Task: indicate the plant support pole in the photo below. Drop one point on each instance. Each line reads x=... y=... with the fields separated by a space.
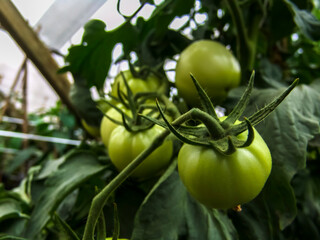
x=12 y=21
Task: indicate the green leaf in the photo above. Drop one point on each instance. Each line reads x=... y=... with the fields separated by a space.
x=21 y=158
x=291 y=126
x=10 y=208
x=77 y=168
x=92 y=30
x=280 y=198
x=50 y=167
x=92 y=58
x=271 y=73
x=255 y=221
x=9 y=237
x=169 y=212
x=12 y=228
x=307 y=23
x=81 y=99
x=307 y=189
x=287 y=132
x=65 y=231
x=167 y=11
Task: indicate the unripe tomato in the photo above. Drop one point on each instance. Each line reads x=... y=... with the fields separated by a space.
x=92 y=130
x=214 y=67
x=107 y=126
x=150 y=84
x=225 y=181
x=125 y=146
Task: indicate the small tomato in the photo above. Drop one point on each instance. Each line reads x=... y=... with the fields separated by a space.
x=125 y=146
x=150 y=84
x=107 y=126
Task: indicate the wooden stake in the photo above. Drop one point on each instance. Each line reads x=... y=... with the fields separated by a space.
x=35 y=50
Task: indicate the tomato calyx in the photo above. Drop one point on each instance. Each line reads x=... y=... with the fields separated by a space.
x=220 y=134
x=137 y=104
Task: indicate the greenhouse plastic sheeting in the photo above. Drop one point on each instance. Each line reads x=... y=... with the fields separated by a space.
x=64 y=18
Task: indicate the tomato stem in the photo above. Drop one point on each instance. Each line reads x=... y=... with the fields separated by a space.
x=213 y=125
x=247 y=34
x=243 y=42
x=101 y=198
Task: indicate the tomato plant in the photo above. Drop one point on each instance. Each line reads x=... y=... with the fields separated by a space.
x=68 y=188
x=225 y=181
x=213 y=65
x=125 y=146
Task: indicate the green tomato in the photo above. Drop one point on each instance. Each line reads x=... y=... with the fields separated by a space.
x=92 y=130
x=150 y=84
x=225 y=181
x=125 y=146
x=214 y=67
x=107 y=126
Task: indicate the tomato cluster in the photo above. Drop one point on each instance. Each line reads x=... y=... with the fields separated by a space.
x=124 y=145
x=215 y=178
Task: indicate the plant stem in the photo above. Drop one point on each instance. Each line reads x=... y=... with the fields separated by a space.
x=215 y=130
x=244 y=45
x=101 y=198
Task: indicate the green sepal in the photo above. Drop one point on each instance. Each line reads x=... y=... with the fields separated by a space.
x=196 y=131
x=205 y=101
x=222 y=136
x=141 y=97
x=122 y=98
x=241 y=105
x=130 y=97
x=261 y=114
x=213 y=124
x=224 y=146
x=155 y=121
x=119 y=111
x=180 y=136
x=250 y=137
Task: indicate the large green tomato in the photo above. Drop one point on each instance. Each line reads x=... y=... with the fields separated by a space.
x=214 y=67
x=150 y=84
x=125 y=146
x=107 y=126
x=225 y=181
